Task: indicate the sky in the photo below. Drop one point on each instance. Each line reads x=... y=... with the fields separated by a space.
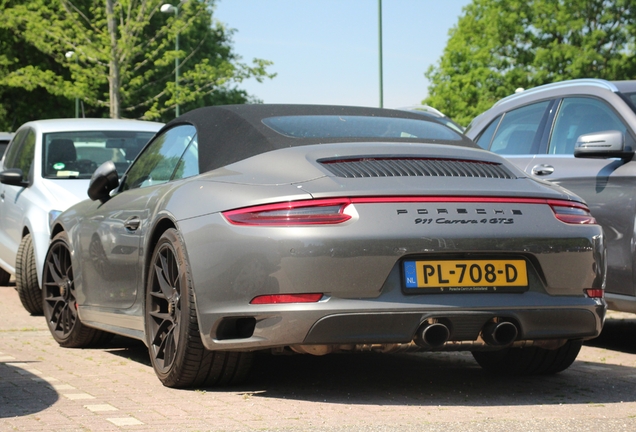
x=326 y=51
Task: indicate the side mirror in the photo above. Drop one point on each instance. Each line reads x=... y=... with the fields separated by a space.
x=103 y=181
x=14 y=177
x=605 y=144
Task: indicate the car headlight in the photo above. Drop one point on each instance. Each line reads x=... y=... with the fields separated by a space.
x=53 y=214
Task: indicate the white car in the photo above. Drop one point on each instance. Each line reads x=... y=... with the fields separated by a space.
x=45 y=170
x=430 y=112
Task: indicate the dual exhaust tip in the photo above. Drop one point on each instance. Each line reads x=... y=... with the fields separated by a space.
x=435 y=334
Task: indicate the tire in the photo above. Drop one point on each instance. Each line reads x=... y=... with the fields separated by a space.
x=4 y=277
x=177 y=354
x=530 y=360
x=59 y=302
x=26 y=277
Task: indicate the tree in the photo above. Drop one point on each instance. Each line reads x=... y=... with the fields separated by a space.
x=17 y=104
x=118 y=56
x=498 y=46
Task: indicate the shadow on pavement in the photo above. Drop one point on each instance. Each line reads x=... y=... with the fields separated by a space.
x=23 y=393
x=617 y=335
x=132 y=349
x=425 y=379
x=438 y=379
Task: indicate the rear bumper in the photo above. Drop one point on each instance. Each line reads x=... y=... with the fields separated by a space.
x=341 y=322
x=359 y=269
x=464 y=326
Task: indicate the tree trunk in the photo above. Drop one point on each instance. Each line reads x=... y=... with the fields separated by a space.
x=113 y=74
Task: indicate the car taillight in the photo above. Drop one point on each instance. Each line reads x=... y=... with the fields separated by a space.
x=334 y=210
x=595 y=293
x=287 y=298
x=571 y=213
x=308 y=212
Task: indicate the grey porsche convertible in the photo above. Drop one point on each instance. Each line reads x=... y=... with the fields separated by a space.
x=323 y=229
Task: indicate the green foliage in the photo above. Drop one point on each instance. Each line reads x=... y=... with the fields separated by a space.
x=498 y=46
x=36 y=35
x=17 y=104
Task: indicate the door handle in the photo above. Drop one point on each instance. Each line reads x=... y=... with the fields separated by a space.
x=2 y=195
x=132 y=223
x=542 y=170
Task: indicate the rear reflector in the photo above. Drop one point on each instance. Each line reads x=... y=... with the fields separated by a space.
x=595 y=293
x=287 y=298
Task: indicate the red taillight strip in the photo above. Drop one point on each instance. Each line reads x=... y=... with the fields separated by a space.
x=584 y=218
x=287 y=298
x=292 y=213
x=466 y=199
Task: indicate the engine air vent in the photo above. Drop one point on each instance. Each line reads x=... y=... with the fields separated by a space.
x=418 y=167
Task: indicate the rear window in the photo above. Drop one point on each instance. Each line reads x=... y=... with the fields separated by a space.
x=333 y=126
x=78 y=154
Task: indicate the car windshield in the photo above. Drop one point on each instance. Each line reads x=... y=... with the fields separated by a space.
x=77 y=154
x=632 y=98
x=334 y=126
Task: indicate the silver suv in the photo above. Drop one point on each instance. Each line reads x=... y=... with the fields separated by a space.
x=45 y=170
x=581 y=135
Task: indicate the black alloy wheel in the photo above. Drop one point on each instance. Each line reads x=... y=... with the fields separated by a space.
x=164 y=307
x=59 y=301
x=176 y=351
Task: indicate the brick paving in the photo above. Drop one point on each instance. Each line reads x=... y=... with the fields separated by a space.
x=47 y=388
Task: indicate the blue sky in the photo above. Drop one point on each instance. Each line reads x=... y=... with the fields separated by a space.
x=326 y=51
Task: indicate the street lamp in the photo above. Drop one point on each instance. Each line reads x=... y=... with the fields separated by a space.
x=69 y=55
x=168 y=8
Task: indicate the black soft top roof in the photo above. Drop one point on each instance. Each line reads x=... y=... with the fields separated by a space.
x=230 y=133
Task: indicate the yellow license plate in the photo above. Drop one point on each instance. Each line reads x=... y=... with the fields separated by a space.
x=466 y=275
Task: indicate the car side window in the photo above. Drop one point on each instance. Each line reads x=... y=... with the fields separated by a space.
x=578 y=116
x=21 y=155
x=519 y=131
x=486 y=136
x=158 y=162
x=189 y=163
x=12 y=151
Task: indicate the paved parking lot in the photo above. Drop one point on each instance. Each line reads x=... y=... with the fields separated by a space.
x=45 y=387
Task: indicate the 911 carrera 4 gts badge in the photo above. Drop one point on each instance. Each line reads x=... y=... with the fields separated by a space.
x=500 y=219
x=446 y=221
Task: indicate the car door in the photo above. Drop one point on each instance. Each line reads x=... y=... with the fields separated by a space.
x=20 y=155
x=519 y=133
x=607 y=185
x=112 y=233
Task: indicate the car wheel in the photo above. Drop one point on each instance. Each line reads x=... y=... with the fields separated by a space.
x=178 y=356
x=4 y=277
x=529 y=360
x=59 y=302
x=26 y=277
